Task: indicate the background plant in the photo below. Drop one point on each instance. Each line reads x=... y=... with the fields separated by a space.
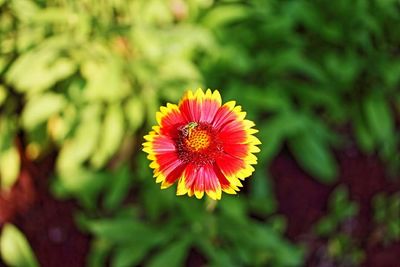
x=81 y=81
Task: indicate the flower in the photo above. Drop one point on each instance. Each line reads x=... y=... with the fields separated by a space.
x=203 y=145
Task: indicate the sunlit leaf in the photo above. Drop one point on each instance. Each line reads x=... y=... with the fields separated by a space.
x=9 y=166
x=225 y=14
x=84 y=141
x=41 y=108
x=42 y=67
x=15 y=249
x=135 y=111
x=3 y=94
x=111 y=136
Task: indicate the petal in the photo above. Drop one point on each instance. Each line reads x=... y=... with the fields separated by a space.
x=230 y=165
x=200 y=106
x=163 y=144
x=210 y=105
x=224 y=115
x=190 y=106
x=169 y=118
x=173 y=176
x=201 y=179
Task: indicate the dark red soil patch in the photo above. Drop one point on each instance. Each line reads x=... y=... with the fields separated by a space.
x=303 y=201
x=47 y=223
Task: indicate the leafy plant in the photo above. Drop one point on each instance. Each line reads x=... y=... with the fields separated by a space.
x=341 y=248
x=387 y=216
x=313 y=87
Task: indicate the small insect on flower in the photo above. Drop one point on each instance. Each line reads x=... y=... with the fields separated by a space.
x=203 y=145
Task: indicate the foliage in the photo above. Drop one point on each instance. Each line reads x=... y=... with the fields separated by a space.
x=341 y=249
x=315 y=75
x=84 y=79
x=85 y=75
x=158 y=223
x=14 y=248
x=387 y=216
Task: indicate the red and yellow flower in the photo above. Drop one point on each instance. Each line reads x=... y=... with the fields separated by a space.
x=203 y=145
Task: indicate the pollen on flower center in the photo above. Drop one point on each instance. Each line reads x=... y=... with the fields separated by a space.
x=197 y=144
x=197 y=140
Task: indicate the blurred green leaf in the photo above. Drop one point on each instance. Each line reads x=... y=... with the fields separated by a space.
x=40 y=108
x=379 y=118
x=326 y=226
x=98 y=253
x=15 y=249
x=105 y=80
x=364 y=137
x=111 y=136
x=9 y=167
x=119 y=230
x=314 y=156
x=41 y=67
x=24 y=9
x=3 y=94
x=84 y=142
x=135 y=112
x=9 y=156
x=225 y=14
x=130 y=255
x=118 y=188
x=174 y=254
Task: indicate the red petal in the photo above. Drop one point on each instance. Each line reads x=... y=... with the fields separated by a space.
x=190 y=110
x=223 y=116
x=175 y=174
x=167 y=162
x=163 y=144
x=221 y=177
x=237 y=150
x=208 y=110
x=170 y=122
x=201 y=178
x=230 y=165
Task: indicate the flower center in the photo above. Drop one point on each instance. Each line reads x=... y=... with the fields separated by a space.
x=198 y=144
x=197 y=139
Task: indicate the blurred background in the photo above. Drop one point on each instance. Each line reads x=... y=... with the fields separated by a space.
x=80 y=82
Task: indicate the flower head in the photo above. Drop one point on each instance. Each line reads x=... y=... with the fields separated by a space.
x=203 y=145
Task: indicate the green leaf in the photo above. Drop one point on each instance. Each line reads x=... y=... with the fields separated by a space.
x=130 y=255
x=98 y=253
x=365 y=139
x=326 y=226
x=379 y=118
x=105 y=80
x=40 y=108
x=314 y=156
x=81 y=146
x=9 y=156
x=174 y=254
x=15 y=249
x=42 y=67
x=111 y=136
x=122 y=230
x=3 y=94
x=134 y=110
x=9 y=167
x=225 y=14
x=118 y=188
